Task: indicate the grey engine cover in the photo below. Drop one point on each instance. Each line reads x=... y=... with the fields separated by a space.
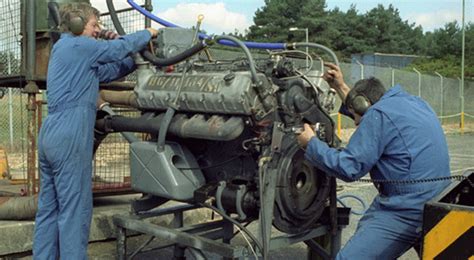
x=159 y=173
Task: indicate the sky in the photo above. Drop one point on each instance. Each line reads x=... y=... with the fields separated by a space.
x=230 y=15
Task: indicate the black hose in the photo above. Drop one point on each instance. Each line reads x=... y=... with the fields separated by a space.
x=144 y=124
x=175 y=59
x=114 y=17
x=146 y=53
x=53 y=8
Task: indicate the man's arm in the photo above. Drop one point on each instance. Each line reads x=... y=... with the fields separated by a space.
x=117 y=50
x=360 y=155
x=111 y=71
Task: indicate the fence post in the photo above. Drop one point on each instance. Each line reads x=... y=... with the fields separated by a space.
x=10 y=103
x=419 y=81
x=442 y=96
x=461 y=98
x=361 y=68
x=393 y=77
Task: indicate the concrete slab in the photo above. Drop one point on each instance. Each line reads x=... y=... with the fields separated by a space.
x=17 y=236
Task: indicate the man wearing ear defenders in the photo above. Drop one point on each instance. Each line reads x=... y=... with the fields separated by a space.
x=78 y=62
x=398 y=137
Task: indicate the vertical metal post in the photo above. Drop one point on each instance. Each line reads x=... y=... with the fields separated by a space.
x=149 y=8
x=393 y=77
x=10 y=102
x=121 y=243
x=10 y=115
x=361 y=68
x=178 y=222
x=31 y=89
x=339 y=124
x=462 y=65
x=461 y=100
x=419 y=81
x=442 y=96
x=228 y=232
x=307 y=41
x=30 y=20
x=334 y=231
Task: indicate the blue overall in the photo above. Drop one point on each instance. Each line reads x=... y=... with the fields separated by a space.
x=399 y=138
x=76 y=66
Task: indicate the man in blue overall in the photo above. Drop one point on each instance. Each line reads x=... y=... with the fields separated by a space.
x=77 y=64
x=398 y=138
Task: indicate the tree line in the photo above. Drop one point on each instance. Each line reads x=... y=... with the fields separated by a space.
x=380 y=29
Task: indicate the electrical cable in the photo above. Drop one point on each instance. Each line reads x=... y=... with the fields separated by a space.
x=248 y=242
x=401 y=182
x=141 y=247
x=237 y=224
x=357 y=198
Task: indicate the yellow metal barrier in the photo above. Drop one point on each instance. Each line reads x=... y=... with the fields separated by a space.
x=4 y=169
x=448 y=222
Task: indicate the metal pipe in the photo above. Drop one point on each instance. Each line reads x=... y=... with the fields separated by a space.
x=30 y=39
x=130 y=137
x=124 y=98
x=462 y=64
x=31 y=89
x=10 y=103
x=314 y=45
x=18 y=208
x=149 y=8
x=361 y=69
x=393 y=77
x=419 y=81
x=215 y=128
x=239 y=43
x=442 y=95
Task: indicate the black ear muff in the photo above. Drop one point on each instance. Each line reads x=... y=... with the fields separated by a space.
x=360 y=104
x=77 y=25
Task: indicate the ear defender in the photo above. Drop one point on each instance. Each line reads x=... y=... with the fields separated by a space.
x=360 y=103
x=77 y=25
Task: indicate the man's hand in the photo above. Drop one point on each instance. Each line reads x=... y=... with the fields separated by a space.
x=305 y=136
x=108 y=35
x=153 y=32
x=333 y=76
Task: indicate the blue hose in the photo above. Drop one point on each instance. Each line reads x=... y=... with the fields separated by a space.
x=359 y=199
x=252 y=45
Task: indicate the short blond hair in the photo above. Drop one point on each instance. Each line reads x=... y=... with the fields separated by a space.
x=70 y=11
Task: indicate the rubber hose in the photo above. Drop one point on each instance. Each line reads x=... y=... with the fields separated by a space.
x=146 y=53
x=357 y=198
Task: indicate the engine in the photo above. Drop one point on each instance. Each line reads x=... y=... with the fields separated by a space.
x=215 y=124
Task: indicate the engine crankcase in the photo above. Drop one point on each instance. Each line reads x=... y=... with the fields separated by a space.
x=231 y=93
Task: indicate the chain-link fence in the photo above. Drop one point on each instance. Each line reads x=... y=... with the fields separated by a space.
x=111 y=170
x=111 y=165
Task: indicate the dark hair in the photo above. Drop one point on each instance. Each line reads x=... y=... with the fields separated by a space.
x=372 y=88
